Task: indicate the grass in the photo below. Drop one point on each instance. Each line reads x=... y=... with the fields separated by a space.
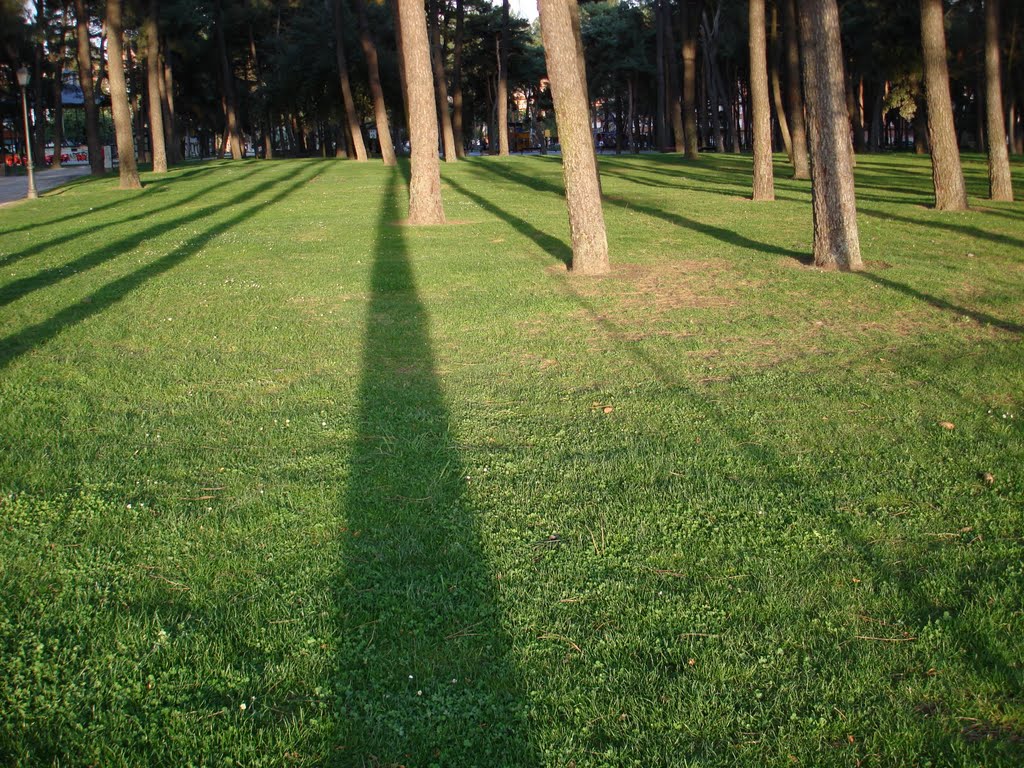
x=288 y=483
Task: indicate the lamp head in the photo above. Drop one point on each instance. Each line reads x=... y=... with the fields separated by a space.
x=23 y=76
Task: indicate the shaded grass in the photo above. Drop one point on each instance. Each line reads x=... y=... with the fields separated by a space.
x=264 y=447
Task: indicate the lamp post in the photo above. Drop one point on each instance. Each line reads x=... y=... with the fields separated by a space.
x=23 y=78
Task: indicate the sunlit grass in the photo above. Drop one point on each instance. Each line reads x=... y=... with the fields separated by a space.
x=288 y=483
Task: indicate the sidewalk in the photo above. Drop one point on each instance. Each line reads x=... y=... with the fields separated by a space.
x=14 y=188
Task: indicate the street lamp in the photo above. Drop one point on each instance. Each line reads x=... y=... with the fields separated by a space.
x=23 y=78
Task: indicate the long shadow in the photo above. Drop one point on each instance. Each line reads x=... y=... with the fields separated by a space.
x=425 y=669
x=723 y=235
x=938 y=303
x=68 y=237
x=17 y=344
x=960 y=229
x=549 y=243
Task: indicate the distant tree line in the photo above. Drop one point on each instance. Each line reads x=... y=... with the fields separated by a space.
x=356 y=78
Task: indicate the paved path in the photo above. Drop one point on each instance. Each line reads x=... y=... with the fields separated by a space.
x=16 y=187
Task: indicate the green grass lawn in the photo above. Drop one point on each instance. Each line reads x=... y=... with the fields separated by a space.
x=286 y=483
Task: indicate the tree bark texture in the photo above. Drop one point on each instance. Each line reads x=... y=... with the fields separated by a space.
x=690 y=79
x=502 y=97
x=128 y=170
x=380 y=111
x=441 y=84
x=425 y=206
x=675 y=105
x=794 y=96
x=153 y=77
x=1000 y=184
x=776 y=81
x=355 y=131
x=836 y=240
x=764 y=181
x=85 y=79
x=232 y=131
x=457 y=99
x=947 y=174
x=559 y=21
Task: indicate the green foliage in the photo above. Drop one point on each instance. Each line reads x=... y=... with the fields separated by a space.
x=287 y=483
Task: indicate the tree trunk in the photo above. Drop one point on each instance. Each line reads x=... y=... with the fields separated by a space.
x=690 y=79
x=166 y=87
x=836 y=241
x=764 y=181
x=856 y=117
x=153 y=78
x=1000 y=184
x=85 y=79
x=660 y=121
x=559 y=20
x=234 y=134
x=380 y=112
x=425 y=205
x=675 y=106
x=38 y=102
x=351 y=117
x=457 y=98
x=58 y=91
x=780 y=109
x=119 y=99
x=503 y=85
x=794 y=96
x=441 y=85
x=947 y=175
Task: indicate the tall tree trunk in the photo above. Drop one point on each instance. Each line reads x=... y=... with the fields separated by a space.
x=166 y=87
x=836 y=240
x=233 y=132
x=856 y=116
x=129 y=172
x=502 y=97
x=690 y=16
x=85 y=79
x=947 y=175
x=675 y=106
x=660 y=121
x=559 y=23
x=58 y=90
x=441 y=86
x=1000 y=184
x=457 y=98
x=351 y=117
x=794 y=96
x=764 y=181
x=153 y=78
x=780 y=109
x=425 y=205
x=380 y=112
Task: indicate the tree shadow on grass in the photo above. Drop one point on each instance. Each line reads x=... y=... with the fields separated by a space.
x=16 y=289
x=724 y=235
x=20 y=342
x=68 y=237
x=425 y=673
x=938 y=303
x=959 y=229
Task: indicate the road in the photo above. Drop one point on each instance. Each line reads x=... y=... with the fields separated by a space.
x=13 y=188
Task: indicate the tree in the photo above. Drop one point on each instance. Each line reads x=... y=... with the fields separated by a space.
x=502 y=97
x=690 y=14
x=380 y=112
x=947 y=175
x=1000 y=184
x=764 y=183
x=154 y=74
x=233 y=132
x=352 y=119
x=836 y=241
x=559 y=23
x=129 y=172
x=441 y=85
x=794 y=98
x=425 y=205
